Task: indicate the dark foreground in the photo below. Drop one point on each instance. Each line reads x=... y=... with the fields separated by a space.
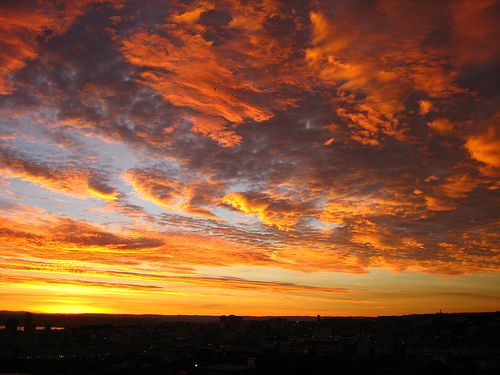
x=231 y=345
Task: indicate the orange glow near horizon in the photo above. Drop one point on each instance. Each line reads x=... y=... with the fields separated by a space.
x=249 y=157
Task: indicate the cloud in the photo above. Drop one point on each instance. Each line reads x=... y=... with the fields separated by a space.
x=65 y=235
x=459 y=187
x=485 y=148
x=353 y=53
x=23 y=31
x=247 y=137
x=211 y=282
x=367 y=124
x=57 y=282
x=436 y=204
x=193 y=15
x=65 y=178
x=441 y=125
x=359 y=245
x=207 y=84
x=225 y=65
x=278 y=212
x=195 y=197
x=425 y=107
x=475 y=32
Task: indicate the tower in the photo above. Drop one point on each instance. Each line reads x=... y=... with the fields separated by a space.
x=28 y=323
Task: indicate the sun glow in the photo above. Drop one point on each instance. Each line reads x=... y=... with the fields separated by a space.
x=69 y=307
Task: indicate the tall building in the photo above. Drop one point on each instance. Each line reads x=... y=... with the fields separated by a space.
x=28 y=323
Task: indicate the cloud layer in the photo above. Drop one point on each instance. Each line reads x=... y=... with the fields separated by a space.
x=210 y=143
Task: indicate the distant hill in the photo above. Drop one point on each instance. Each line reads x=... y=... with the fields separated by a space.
x=78 y=320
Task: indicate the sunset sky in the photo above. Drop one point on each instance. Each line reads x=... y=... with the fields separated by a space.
x=250 y=157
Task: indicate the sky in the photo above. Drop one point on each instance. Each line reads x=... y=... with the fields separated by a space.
x=250 y=157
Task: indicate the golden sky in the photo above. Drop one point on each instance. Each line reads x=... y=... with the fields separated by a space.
x=254 y=157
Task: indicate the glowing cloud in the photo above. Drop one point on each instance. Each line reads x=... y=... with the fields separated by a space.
x=485 y=148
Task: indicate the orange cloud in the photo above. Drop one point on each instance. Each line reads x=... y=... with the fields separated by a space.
x=485 y=148
x=211 y=282
x=441 y=125
x=225 y=82
x=458 y=187
x=193 y=197
x=23 y=25
x=217 y=129
x=425 y=107
x=343 y=211
x=77 y=182
x=351 y=52
x=280 y=213
x=437 y=204
x=37 y=242
x=58 y=282
x=193 y=15
x=368 y=124
x=192 y=75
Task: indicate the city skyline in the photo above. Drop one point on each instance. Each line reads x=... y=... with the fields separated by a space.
x=260 y=158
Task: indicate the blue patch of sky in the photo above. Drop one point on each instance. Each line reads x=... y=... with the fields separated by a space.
x=59 y=204
x=233 y=216
x=318 y=224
